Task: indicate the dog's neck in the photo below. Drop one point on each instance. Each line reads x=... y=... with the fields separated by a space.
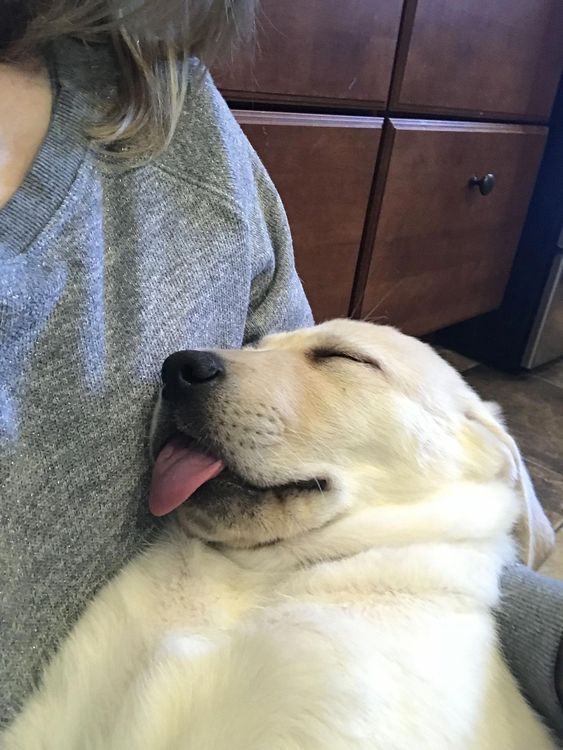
x=466 y=521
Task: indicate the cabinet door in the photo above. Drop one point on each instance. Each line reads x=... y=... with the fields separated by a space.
x=500 y=58
x=323 y=167
x=443 y=251
x=318 y=49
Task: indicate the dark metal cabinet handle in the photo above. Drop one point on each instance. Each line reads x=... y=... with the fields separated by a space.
x=485 y=184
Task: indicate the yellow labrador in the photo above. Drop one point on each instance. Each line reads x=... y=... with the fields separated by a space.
x=346 y=504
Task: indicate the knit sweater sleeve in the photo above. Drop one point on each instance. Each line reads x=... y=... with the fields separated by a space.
x=277 y=300
x=530 y=622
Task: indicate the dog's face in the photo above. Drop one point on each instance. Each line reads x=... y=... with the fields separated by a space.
x=319 y=423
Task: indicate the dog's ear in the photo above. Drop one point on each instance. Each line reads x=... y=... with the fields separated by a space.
x=533 y=530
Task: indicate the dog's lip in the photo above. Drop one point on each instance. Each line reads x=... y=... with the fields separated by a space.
x=319 y=484
x=158 y=443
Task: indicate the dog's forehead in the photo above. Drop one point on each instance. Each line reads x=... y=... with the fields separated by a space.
x=343 y=331
x=405 y=357
x=300 y=340
x=349 y=334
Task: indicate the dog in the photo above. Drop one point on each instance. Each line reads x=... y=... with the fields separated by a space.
x=344 y=506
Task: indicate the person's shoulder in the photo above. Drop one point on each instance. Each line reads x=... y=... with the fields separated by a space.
x=209 y=146
x=208 y=152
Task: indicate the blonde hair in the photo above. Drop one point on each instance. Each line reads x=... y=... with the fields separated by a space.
x=154 y=42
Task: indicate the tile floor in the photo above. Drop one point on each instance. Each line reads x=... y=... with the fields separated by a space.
x=533 y=408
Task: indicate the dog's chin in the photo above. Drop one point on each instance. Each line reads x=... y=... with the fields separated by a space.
x=228 y=511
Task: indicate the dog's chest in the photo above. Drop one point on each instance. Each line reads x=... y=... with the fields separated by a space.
x=308 y=654
x=192 y=651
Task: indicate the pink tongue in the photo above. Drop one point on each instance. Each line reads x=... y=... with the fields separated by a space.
x=177 y=474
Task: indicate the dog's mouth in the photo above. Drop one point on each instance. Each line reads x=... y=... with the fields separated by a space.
x=182 y=466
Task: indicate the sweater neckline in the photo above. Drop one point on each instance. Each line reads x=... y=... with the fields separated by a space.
x=55 y=166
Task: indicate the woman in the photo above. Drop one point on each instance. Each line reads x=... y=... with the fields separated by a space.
x=135 y=221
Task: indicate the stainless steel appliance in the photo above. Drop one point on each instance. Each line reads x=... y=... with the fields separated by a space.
x=546 y=337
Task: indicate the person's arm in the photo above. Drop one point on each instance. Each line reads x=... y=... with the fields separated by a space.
x=277 y=301
x=530 y=621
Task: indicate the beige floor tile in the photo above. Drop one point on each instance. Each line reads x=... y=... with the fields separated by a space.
x=461 y=363
x=552 y=372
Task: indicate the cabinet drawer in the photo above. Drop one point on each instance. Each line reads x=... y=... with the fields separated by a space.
x=443 y=251
x=318 y=49
x=501 y=59
x=323 y=167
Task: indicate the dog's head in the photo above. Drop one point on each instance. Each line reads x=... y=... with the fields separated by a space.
x=306 y=427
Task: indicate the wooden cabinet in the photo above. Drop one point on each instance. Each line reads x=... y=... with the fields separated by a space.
x=397 y=234
x=442 y=251
x=323 y=168
x=499 y=58
x=318 y=49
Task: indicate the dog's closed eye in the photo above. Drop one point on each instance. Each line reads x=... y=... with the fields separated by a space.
x=324 y=353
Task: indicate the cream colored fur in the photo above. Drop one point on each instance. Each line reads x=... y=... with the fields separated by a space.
x=357 y=617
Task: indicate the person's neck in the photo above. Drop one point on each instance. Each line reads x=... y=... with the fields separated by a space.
x=25 y=113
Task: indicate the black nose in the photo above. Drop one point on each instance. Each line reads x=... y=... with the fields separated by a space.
x=183 y=370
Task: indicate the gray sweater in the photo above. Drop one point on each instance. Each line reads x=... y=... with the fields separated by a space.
x=102 y=275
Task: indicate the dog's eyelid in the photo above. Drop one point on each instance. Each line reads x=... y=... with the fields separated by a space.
x=332 y=353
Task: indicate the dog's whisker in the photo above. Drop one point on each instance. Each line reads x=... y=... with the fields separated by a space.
x=381 y=300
